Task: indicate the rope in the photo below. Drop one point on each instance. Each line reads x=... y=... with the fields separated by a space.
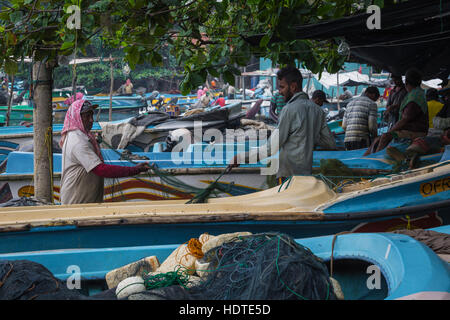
x=170 y=180
x=279 y=274
x=201 y=196
x=194 y=247
x=177 y=277
x=289 y=182
x=408 y=226
x=7 y=274
x=332 y=249
x=49 y=143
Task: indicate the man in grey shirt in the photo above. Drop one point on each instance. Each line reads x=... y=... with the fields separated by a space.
x=302 y=126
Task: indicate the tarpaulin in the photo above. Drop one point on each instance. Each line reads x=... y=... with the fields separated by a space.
x=414 y=33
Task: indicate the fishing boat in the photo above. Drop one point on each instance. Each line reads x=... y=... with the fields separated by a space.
x=18 y=114
x=367 y=266
x=123 y=107
x=304 y=206
x=191 y=175
x=197 y=167
x=14 y=137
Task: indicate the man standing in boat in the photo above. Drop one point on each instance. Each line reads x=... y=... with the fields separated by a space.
x=360 y=120
x=83 y=169
x=302 y=126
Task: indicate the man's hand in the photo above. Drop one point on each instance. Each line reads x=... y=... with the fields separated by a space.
x=143 y=166
x=234 y=162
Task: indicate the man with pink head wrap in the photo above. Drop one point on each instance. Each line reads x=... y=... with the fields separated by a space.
x=83 y=169
x=78 y=96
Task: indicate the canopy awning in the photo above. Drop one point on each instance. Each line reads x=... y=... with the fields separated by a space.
x=414 y=33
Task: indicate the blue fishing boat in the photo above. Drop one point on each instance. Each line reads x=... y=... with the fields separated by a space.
x=13 y=137
x=198 y=166
x=367 y=266
x=123 y=107
x=302 y=207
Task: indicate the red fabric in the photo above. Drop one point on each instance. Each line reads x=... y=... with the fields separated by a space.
x=415 y=120
x=221 y=102
x=113 y=171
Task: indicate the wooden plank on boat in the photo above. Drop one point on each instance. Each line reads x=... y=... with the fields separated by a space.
x=175 y=171
x=294 y=203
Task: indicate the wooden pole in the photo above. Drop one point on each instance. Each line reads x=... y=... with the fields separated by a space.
x=337 y=95
x=74 y=79
x=309 y=82
x=243 y=86
x=111 y=86
x=8 y=112
x=42 y=129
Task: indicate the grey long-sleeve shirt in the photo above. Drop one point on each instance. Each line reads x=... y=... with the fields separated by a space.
x=302 y=126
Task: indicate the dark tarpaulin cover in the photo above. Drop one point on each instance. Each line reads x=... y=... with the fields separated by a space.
x=414 y=33
x=380 y=84
x=155 y=117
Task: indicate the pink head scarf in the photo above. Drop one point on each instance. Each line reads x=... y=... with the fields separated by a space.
x=78 y=96
x=128 y=82
x=73 y=121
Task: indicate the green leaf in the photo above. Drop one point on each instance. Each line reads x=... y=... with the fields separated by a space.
x=185 y=85
x=11 y=67
x=379 y=3
x=66 y=45
x=133 y=56
x=16 y=16
x=212 y=71
x=229 y=77
x=264 y=41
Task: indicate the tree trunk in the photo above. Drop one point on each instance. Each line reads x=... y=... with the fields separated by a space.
x=43 y=133
x=111 y=88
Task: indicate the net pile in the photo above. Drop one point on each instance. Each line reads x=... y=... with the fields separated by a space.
x=258 y=267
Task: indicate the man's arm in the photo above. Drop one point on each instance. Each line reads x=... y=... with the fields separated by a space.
x=411 y=111
x=326 y=139
x=273 y=145
x=344 y=121
x=372 y=121
x=114 y=171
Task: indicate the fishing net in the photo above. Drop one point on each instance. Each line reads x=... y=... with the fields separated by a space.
x=28 y=280
x=24 y=201
x=199 y=195
x=257 y=267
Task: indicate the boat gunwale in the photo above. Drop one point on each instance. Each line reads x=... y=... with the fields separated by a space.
x=201 y=217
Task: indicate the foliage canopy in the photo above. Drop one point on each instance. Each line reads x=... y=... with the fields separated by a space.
x=205 y=36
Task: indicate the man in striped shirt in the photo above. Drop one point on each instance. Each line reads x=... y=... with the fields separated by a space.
x=277 y=103
x=360 y=120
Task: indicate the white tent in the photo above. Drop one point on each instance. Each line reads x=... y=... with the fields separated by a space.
x=433 y=83
x=330 y=80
